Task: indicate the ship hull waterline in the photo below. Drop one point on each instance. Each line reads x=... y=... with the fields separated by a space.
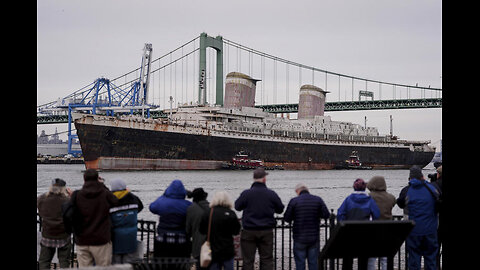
x=118 y=148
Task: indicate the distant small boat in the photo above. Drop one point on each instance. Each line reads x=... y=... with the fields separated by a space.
x=352 y=163
x=241 y=161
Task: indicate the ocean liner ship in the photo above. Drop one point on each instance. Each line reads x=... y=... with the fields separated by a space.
x=205 y=136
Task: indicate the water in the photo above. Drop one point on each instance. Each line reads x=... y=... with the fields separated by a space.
x=333 y=186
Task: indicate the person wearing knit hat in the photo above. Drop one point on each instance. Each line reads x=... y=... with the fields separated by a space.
x=358 y=206
x=124 y=223
x=359 y=185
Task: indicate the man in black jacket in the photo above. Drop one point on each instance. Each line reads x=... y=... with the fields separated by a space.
x=305 y=211
x=259 y=204
x=94 y=242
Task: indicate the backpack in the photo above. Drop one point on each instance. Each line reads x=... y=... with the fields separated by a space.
x=71 y=215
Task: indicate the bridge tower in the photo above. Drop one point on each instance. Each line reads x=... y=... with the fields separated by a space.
x=217 y=44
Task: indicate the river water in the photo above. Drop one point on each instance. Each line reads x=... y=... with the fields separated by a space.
x=333 y=186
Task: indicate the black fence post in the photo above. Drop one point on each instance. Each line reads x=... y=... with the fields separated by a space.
x=332 y=219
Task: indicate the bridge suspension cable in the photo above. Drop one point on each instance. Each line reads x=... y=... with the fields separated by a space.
x=279 y=59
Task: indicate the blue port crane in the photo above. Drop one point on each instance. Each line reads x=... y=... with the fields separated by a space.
x=104 y=97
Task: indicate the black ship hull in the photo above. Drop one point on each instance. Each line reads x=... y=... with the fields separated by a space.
x=107 y=147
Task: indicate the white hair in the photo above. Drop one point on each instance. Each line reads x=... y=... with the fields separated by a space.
x=221 y=198
x=300 y=187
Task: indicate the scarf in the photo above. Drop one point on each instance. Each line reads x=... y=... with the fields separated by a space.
x=121 y=193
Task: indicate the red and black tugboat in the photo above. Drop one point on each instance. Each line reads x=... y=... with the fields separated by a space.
x=352 y=163
x=242 y=161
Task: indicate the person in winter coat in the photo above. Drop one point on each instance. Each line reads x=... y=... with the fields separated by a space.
x=259 y=204
x=54 y=237
x=385 y=202
x=224 y=226
x=440 y=230
x=93 y=241
x=171 y=240
x=194 y=215
x=305 y=211
x=124 y=222
x=358 y=206
x=418 y=201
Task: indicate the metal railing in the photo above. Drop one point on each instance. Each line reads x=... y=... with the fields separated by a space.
x=283 y=244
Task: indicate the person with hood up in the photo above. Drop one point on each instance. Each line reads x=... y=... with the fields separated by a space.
x=385 y=202
x=358 y=206
x=171 y=240
x=195 y=212
x=418 y=201
x=124 y=223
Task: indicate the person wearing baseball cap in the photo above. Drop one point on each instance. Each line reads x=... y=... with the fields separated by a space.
x=258 y=204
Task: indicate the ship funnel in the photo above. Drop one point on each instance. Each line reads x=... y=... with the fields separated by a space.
x=239 y=90
x=311 y=101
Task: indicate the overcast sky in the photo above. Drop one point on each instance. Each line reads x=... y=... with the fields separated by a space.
x=393 y=41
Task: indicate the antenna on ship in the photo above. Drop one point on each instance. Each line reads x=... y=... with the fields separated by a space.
x=171 y=102
x=391 y=126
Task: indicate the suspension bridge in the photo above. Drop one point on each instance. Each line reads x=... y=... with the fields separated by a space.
x=193 y=74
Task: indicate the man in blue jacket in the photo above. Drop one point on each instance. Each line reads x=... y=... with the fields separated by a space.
x=305 y=211
x=418 y=201
x=259 y=204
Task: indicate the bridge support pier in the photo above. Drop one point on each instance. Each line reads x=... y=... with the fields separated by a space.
x=217 y=44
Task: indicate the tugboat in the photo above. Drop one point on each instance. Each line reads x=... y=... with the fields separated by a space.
x=352 y=163
x=241 y=161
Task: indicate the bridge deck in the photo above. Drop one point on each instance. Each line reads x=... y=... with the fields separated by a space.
x=293 y=108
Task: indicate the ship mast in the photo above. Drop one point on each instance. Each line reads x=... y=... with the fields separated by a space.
x=391 y=126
